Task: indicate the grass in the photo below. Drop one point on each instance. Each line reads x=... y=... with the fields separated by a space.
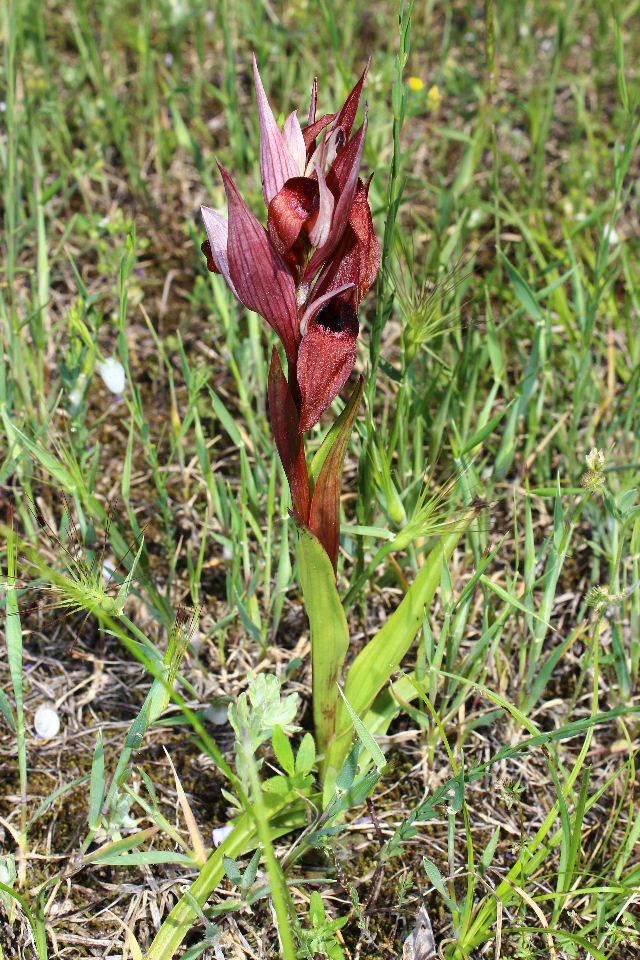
x=500 y=346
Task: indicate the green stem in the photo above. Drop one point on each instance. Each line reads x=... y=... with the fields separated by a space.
x=279 y=892
x=282 y=818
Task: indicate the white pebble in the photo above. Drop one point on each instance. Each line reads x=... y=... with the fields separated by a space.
x=46 y=722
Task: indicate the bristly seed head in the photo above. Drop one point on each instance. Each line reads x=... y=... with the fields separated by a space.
x=594 y=480
x=182 y=614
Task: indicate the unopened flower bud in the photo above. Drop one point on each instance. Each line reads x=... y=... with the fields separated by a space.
x=112 y=372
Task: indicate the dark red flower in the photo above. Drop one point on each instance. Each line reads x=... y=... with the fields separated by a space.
x=307 y=271
x=319 y=240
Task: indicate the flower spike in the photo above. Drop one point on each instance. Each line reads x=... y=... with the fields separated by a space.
x=306 y=274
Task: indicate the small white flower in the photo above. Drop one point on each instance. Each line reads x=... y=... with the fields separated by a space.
x=596 y=459
x=611 y=234
x=112 y=372
x=220 y=834
x=76 y=395
x=3 y=106
x=168 y=59
x=46 y=722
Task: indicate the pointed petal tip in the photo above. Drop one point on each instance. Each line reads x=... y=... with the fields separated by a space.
x=277 y=162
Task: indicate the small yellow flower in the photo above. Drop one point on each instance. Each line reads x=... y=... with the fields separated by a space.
x=434 y=97
x=415 y=83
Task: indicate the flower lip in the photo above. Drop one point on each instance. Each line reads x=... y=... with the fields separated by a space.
x=326 y=358
x=317 y=304
x=336 y=316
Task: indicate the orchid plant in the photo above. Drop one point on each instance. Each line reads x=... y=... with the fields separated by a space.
x=306 y=273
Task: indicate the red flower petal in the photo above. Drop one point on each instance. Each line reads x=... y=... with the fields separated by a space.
x=285 y=425
x=292 y=133
x=326 y=357
x=292 y=206
x=321 y=229
x=277 y=163
x=324 y=516
x=316 y=304
x=356 y=260
x=258 y=272
x=346 y=117
x=343 y=206
x=311 y=132
x=217 y=228
x=368 y=247
x=346 y=161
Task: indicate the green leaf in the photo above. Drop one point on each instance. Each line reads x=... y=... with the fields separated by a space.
x=306 y=757
x=329 y=635
x=348 y=412
x=324 y=513
x=316 y=909
x=367 y=740
x=347 y=773
x=249 y=876
x=146 y=857
x=226 y=419
x=53 y=466
x=280 y=785
x=523 y=291
x=123 y=592
x=114 y=850
x=378 y=661
x=481 y=435
x=283 y=818
x=489 y=852
x=436 y=881
x=283 y=751
x=232 y=870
